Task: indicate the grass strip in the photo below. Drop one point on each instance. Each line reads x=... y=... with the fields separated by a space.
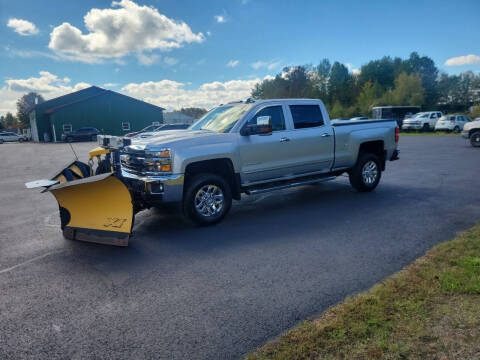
x=428 y=310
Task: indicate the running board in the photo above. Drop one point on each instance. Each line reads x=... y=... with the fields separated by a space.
x=288 y=185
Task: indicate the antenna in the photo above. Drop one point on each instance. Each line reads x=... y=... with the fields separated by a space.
x=74 y=153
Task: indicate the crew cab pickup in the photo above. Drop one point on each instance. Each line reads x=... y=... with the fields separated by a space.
x=253 y=147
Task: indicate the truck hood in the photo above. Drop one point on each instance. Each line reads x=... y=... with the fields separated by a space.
x=178 y=138
x=472 y=125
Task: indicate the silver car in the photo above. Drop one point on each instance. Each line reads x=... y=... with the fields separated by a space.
x=11 y=136
x=453 y=123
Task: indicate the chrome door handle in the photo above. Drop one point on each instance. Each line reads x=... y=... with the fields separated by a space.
x=325 y=135
x=284 y=139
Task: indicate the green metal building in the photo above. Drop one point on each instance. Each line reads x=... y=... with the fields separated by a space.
x=108 y=111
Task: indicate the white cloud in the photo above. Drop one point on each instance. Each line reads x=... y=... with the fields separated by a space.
x=22 y=27
x=233 y=63
x=173 y=95
x=12 y=52
x=220 y=19
x=47 y=84
x=147 y=60
x=270 y=65
x=352 y=69
x=124 y=29
x=109 y=85
x=463 y=60
x=170 y=61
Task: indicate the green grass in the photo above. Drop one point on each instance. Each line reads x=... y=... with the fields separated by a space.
x=429 y=310
x=428 y=133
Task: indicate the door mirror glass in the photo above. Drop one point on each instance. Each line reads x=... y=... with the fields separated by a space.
x=264 y=120
x=263 y=126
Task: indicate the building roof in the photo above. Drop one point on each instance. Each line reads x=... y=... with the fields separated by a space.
x=90 y=92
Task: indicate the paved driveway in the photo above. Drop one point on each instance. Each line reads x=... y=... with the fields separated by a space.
x=216 y=293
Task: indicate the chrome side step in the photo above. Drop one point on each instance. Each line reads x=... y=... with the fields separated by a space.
x=288 y=185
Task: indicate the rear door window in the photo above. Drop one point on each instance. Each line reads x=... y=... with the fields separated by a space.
x=306 y=116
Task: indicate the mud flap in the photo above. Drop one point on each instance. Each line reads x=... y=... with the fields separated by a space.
x=96 y=209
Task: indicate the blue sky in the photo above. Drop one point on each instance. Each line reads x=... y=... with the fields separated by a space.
x=201 y=53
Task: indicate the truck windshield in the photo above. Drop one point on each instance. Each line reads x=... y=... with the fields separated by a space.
x=421 y=115
x=221 y=119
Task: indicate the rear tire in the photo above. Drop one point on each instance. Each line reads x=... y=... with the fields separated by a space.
x=426 y=127
x=21 y=140
x=207 y=199
x=475 y=139
x=366 y=173
x=94 y=138
x=69 y=139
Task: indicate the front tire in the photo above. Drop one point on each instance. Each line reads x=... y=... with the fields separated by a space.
x=456 y=129
x=475 y=139
x=207 y=199
x=366 y=173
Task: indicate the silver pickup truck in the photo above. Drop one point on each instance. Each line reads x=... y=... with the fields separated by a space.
x=253 y=147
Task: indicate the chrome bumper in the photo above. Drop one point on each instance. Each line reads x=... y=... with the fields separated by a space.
x=168 y=187
x=411 y=126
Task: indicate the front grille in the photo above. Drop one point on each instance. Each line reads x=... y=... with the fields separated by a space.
x=131 y=150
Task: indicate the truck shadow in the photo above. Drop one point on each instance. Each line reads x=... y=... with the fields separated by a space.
x=288 y=216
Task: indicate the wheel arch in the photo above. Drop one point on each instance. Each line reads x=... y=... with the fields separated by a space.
x=376 y=147
x=220 y=166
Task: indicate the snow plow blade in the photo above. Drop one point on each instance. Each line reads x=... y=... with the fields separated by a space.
x=96 y=209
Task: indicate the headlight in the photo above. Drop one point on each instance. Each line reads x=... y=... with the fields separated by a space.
x=162 y=165
x=163 y=153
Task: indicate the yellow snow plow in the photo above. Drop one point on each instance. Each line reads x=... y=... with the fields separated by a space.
x=95 y=205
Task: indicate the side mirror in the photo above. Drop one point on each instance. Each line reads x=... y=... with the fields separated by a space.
x=262 y=127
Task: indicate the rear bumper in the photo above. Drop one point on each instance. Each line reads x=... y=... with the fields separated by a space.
x=166 y=188
x=395 y=155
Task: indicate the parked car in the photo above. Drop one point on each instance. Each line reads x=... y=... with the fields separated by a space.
x=453 y=123
x=422 y=121
x=147 y=129
x=10 y=136
x=148 y=134
x=82 y=134
x=471 y=130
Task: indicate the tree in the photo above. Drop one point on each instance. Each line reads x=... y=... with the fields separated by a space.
x=341 y=85
x=25 y=104
x=408 y=90
x=9 y=120
x=2 y=120
x=378 y=71
x=319 y=80
x=291 y=83
x=476 y=112
x=197 y=113
x=369 y=97
x=425 y=67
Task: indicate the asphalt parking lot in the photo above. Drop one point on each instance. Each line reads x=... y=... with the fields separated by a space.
x=179 y=292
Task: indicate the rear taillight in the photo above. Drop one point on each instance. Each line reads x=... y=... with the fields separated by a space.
x=397 y=134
